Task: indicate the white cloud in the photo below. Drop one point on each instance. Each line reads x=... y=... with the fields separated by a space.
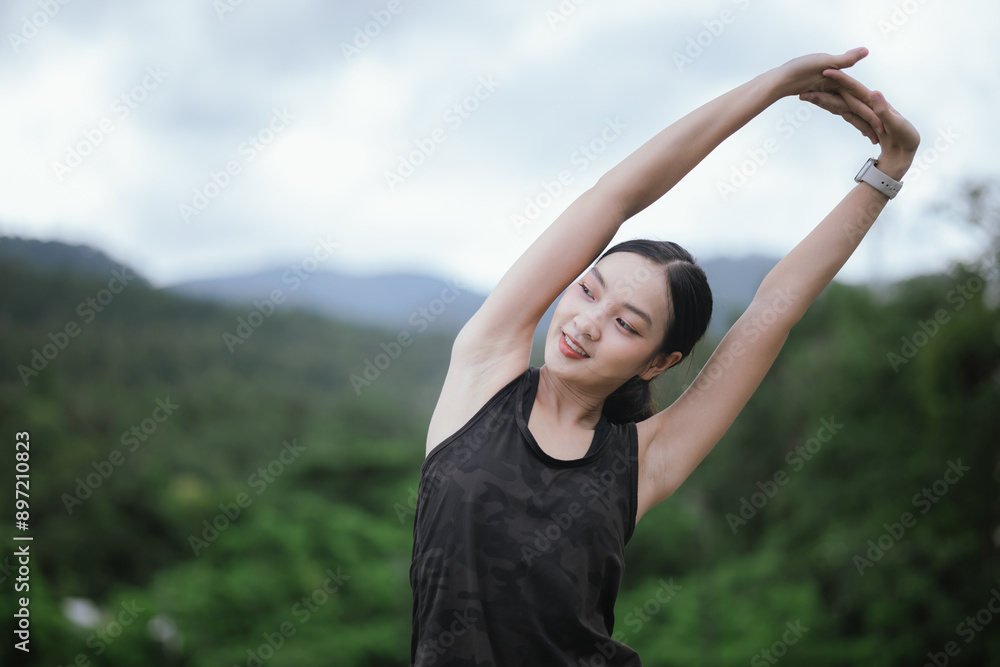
x=558 y=84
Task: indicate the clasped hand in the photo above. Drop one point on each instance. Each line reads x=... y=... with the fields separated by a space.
x=819 y=78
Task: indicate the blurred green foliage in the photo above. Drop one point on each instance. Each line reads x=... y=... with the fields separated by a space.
x=204 y=530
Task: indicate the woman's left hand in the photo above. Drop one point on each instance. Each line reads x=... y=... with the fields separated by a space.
x=805 y=73
x=873 y=116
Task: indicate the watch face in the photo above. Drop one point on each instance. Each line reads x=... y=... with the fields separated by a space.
x=864 y=168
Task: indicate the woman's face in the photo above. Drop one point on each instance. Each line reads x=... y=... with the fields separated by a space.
x=617 y=313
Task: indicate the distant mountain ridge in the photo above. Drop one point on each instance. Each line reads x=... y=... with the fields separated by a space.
x=387 y=300
x=393 y=301
x=405 y=300
x=58 y=256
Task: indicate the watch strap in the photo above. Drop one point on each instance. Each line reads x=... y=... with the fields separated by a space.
x=875 y=177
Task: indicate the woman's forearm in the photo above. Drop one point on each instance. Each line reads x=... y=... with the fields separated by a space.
x=805 y=272
x=656 y=166
x=812 y=264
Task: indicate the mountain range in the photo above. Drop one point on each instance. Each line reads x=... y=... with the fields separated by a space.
x=391 y=300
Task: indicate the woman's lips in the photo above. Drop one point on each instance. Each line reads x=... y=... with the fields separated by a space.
x=567 y=344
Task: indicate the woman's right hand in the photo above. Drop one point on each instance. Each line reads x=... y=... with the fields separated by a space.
x=871 y=113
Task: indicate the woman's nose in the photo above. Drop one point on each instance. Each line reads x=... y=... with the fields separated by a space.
x=588 y=322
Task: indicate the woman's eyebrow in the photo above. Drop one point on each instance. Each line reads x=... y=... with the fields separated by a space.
x=638 y=311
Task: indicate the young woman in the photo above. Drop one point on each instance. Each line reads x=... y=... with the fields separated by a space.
x=535 y=478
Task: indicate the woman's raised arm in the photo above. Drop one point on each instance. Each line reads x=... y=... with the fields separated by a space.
x=654 y=168
x=683 y=434
x=509 y=316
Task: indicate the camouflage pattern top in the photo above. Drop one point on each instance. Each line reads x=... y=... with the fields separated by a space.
x=518 y=556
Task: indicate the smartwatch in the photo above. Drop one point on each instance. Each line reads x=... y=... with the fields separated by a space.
x=876 y=178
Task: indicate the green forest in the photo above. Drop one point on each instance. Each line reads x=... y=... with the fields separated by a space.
x=253 y=507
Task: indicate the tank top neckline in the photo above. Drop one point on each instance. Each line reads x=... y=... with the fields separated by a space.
x=523 y=406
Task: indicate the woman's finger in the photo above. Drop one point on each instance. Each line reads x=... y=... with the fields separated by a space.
x=836 y=104
x=887 y=125
x=848 y=82
x=862 y=108
x=898 y=130
x=851 y=57
x=832 y=102
x=863 y=126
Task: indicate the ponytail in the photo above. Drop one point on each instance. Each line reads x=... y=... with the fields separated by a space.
x=631 y=402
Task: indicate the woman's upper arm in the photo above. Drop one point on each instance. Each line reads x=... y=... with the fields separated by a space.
x=560 y=254
x=684 y=433
x=495 y=344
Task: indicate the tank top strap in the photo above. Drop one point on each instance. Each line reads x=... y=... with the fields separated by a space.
x=528 y=398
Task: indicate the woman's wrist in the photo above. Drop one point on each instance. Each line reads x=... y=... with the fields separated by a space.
x=894 y=164
x=774 y=84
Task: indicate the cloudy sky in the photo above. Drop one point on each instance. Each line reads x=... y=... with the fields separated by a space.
x=199 y=139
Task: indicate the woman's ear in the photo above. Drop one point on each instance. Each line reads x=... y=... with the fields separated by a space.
x=660 y=363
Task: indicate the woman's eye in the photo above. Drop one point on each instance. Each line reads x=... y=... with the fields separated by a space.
x=624 y=324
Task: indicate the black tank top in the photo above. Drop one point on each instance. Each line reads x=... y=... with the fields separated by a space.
x=518 y=556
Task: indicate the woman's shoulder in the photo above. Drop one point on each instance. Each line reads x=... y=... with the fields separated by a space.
x=467 y=389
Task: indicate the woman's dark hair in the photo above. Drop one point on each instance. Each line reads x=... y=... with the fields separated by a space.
x=688 y=318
